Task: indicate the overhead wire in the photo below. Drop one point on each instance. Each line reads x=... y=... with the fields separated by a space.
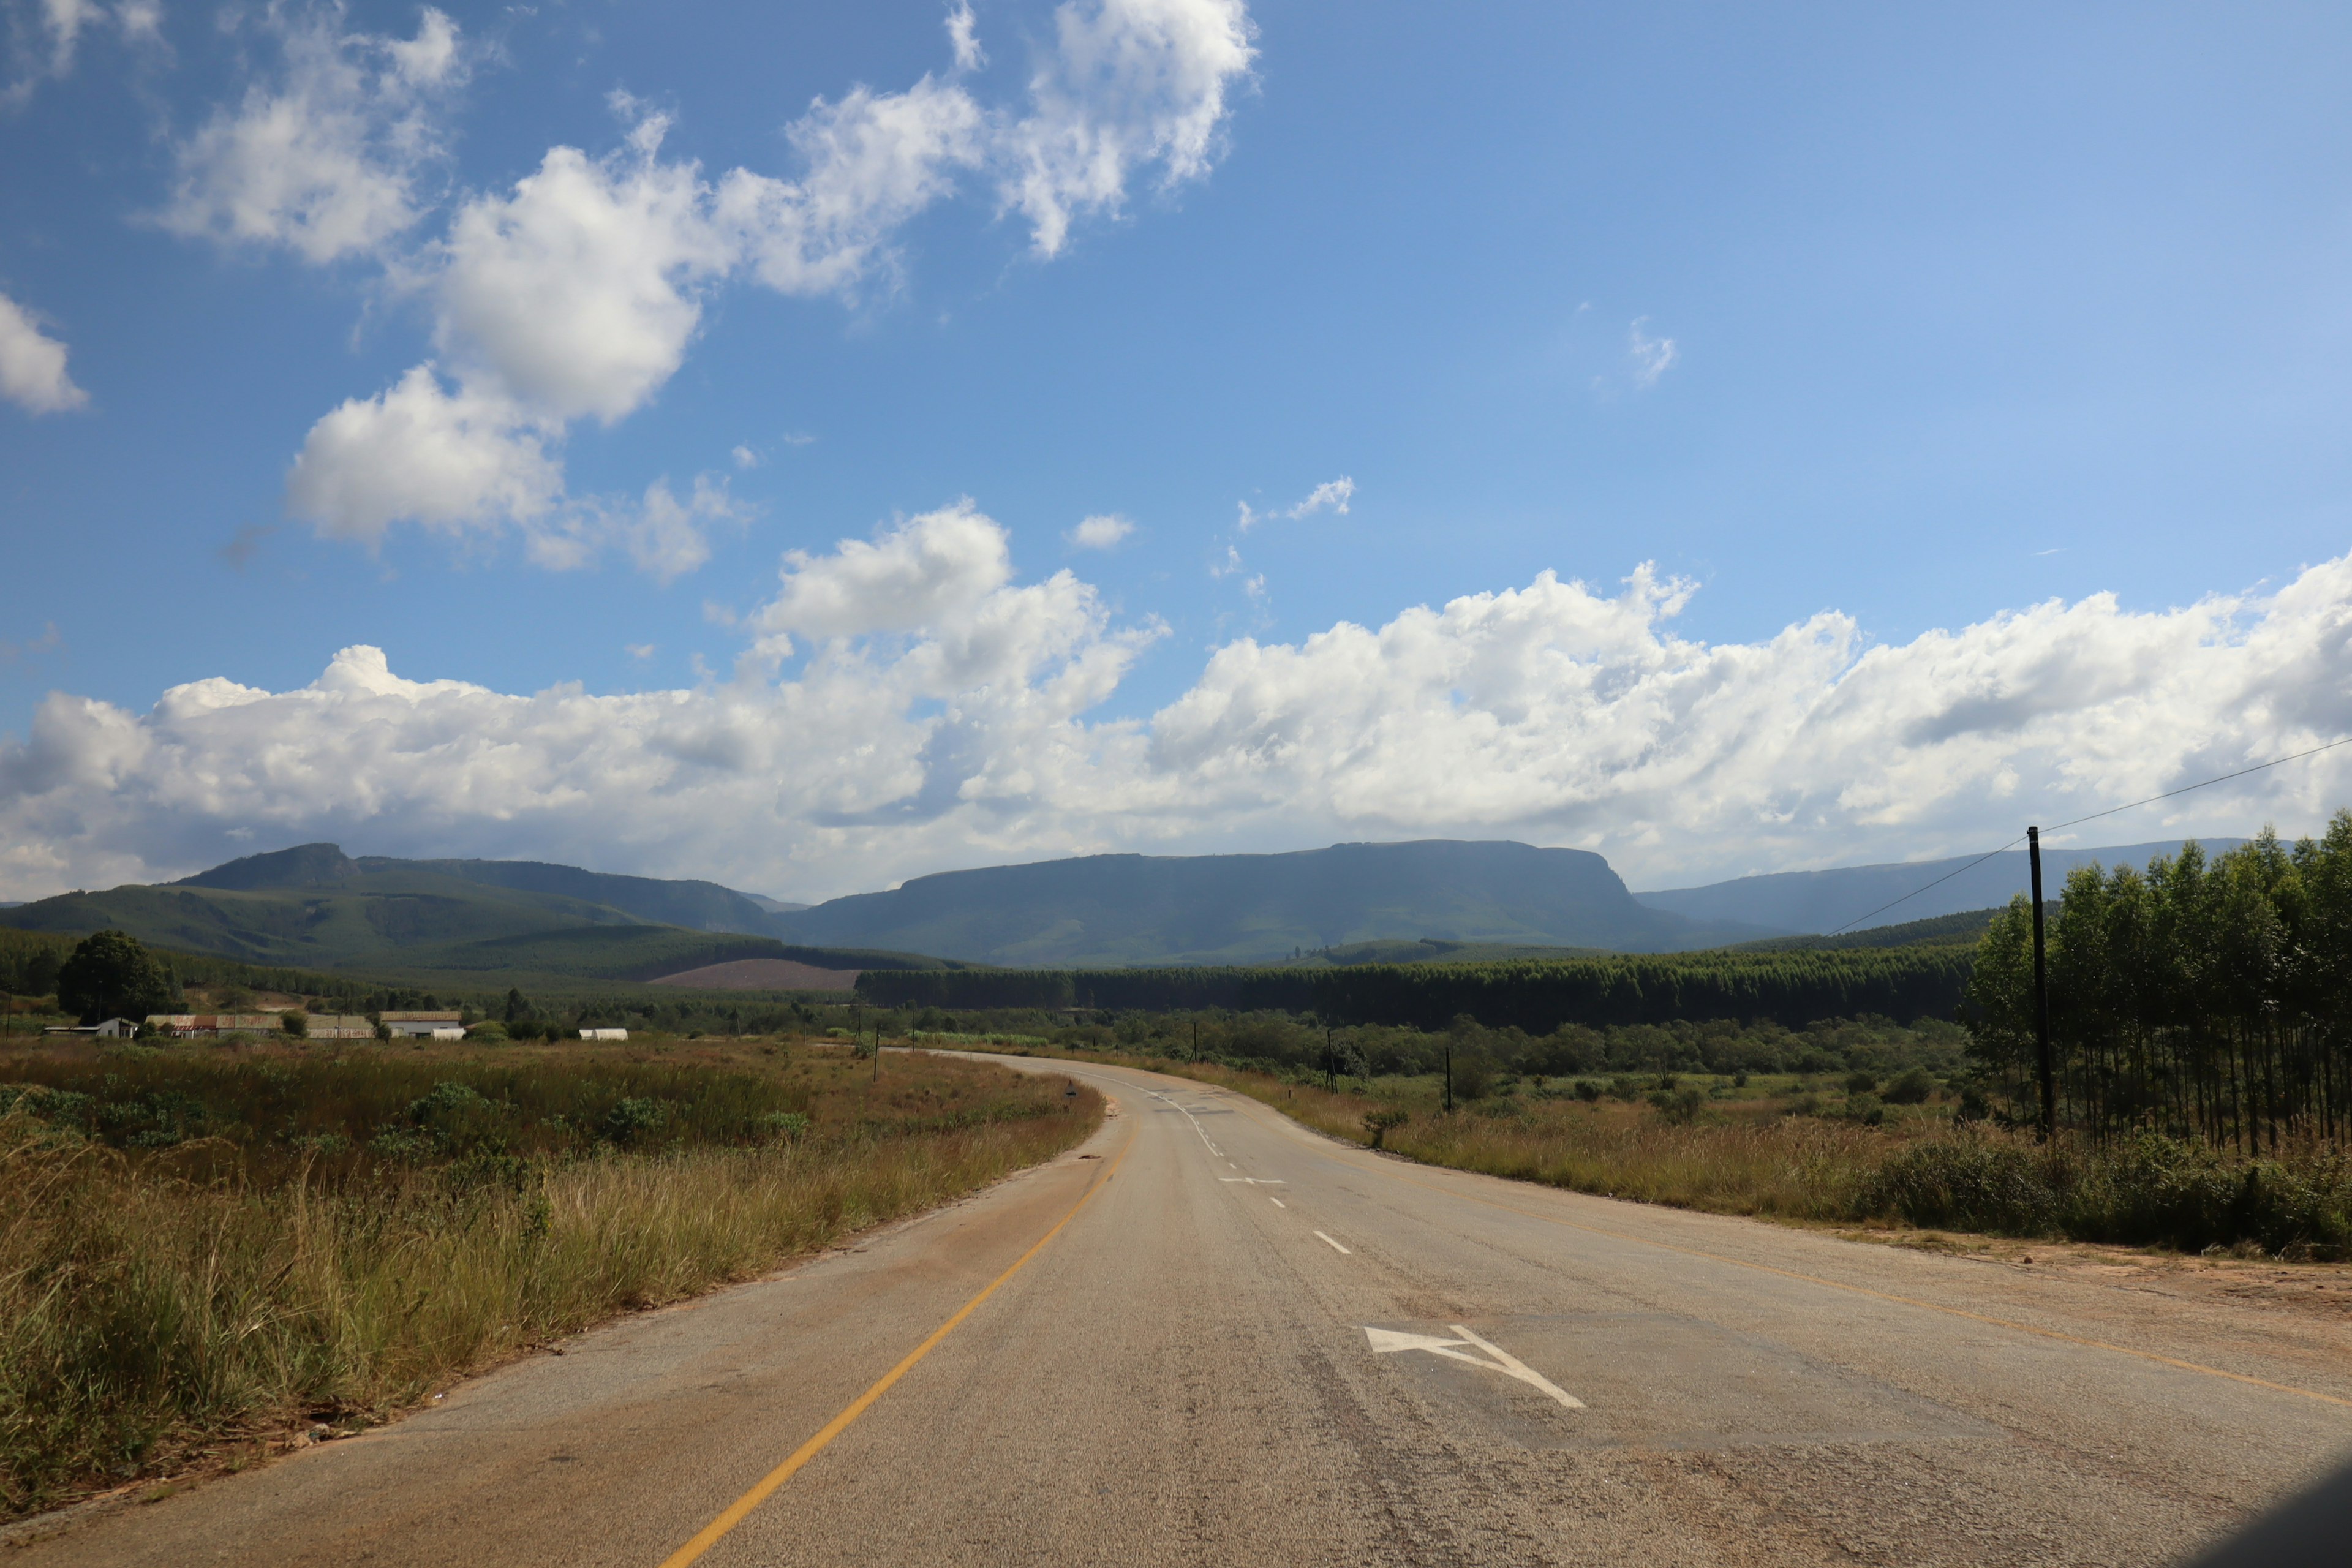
x=2152 y=800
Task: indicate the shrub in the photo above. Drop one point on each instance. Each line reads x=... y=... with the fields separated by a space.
x=1378 y=1123
x=1913 y=1088
x=488 y=1032
x=1971 y=1182
x=785 y=1124
x=1587 y=1090
x=1862 y=1082
x=631 y=1120
x=295 y=1021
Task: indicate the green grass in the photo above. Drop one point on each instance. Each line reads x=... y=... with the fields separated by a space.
x=204 y=1254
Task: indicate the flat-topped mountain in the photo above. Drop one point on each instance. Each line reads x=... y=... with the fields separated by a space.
x=1102 y=910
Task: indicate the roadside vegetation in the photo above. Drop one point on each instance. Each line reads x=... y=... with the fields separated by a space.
x=211 y=1252
x=1850 y=1121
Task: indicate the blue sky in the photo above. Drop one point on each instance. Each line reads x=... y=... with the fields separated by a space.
x=1916 y=318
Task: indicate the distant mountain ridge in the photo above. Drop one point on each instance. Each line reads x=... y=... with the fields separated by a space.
x=1821 y=901
x=1102 y=911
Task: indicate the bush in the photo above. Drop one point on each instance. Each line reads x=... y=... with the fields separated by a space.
x=1587 y=1090
x=1378 y=1123
x=1913 y=1088
x=1977 y=1183
x=295 y=1021
x=1862 y=1083
x=490 y=1032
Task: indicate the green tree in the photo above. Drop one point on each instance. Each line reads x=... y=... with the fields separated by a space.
x=110 y=975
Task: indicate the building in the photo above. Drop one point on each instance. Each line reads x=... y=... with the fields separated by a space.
x=411 y=1025
x=603 y=1034
x=111 y=1029
x=201 y=1024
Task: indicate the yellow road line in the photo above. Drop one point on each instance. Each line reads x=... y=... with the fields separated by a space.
x=1384 y=1168
x=737 y=1512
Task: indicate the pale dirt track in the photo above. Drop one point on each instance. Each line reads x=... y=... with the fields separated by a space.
x=1184 y=1376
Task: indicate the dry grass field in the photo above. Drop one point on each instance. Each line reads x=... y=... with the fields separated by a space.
x=212 y=1254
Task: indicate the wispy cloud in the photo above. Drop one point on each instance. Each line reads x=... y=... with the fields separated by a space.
x=1652 y=357
x=1331 y=495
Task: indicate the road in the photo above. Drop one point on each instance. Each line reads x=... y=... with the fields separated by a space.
x=1248 y=1345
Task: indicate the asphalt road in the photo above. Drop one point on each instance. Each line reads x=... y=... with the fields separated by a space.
x=1250 y=1345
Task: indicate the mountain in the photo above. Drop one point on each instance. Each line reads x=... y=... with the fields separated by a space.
x=1109 y=909
x=314 y=907
x=1825 y=901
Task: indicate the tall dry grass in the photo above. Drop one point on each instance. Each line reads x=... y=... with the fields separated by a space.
x=160 y=1309
x=1755 y=1156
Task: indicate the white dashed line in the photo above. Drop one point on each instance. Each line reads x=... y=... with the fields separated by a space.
x=1335 y=1246
x=1278 y=1203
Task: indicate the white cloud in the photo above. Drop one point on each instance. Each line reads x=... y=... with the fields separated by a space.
x=640 y=649
x=326 y=160
x=871 y=162
x=1652 y=357
x=33 y=364
x=745 y=457
x=939 y=717
x=1130 y=85
x=420 y=454
x=665 y=537
x=45 y=45
x=963 y=37
x=1330 y=495
x=1101 y=531
x=577 y=293
x=927 y=570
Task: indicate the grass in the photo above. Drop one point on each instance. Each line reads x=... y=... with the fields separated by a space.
x=1800 y=1148
x=208 y=1254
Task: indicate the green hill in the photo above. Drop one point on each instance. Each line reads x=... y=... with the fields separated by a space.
x=314 y=908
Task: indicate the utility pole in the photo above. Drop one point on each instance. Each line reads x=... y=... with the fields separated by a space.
x=2042 y=993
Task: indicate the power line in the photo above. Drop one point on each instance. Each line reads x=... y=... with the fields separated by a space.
x=1945 y=878
x=2152 y=800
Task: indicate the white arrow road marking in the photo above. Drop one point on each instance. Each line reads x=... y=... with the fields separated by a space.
x=1388 y=1341
x=1335 y=1244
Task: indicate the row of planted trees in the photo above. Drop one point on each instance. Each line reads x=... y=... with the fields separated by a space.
x=2204 y=996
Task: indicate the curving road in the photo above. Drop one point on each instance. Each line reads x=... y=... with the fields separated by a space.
x=1247 y=1344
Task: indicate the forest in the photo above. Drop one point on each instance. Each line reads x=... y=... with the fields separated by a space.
x=1793 y=989
x=2199 y=997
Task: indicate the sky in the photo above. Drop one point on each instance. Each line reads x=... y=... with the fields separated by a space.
x=808 y=446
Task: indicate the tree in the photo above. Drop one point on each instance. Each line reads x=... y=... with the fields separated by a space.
x=110 y=975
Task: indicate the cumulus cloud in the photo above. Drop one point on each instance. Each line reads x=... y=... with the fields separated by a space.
x=1102 y=532
x=420 y=453
x=940 y=715
x=325 y=160
x=577 y=293
x=1652 y=357
x=574 y=293
x=33 y=364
